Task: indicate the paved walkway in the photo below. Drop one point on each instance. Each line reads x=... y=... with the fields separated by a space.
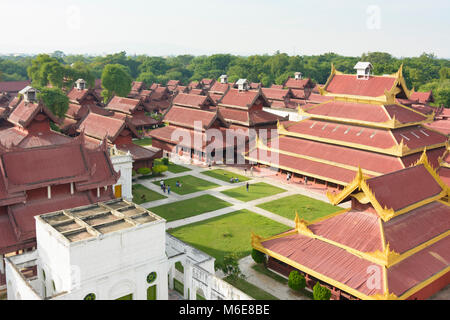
x=275 y=288
x=291 y=189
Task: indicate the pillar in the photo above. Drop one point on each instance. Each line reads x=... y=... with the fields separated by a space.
x=171 y=276
x=2 y=264
x=187 y=280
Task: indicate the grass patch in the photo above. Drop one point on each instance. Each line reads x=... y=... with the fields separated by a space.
x=143 y=142
x=189 y=183
x=250 y=289
x=142 y=194
x=307 y=208
x=230 y=233
x=261 y=269
x=176 y=168
x=224 y=175
x=256 y=191
x=190 y=207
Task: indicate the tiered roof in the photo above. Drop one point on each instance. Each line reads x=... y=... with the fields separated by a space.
x=350 y=130
x=398 y=227
x=57 y=165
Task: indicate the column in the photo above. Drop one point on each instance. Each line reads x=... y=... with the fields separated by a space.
x=2 y=264
x=187 y=280
x=171 y=276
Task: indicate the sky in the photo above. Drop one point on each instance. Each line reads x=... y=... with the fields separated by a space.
x=243 y=27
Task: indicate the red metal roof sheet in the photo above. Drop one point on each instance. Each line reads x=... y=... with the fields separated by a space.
x=328 y=260
x=349 y=84
x=357 y=230
x=411 y=229
x=403 y=188
x=13 y=86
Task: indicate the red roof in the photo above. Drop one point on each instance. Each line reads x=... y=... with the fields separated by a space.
x=403 y=188
x=13 y=86
x=298 y=83
x=219 y=87
x=173 y=83
x=99 y=126
x=349 y=84
x=25 y=112
x=186 y=117
x=192 y=100
x=276 y=94
x=326 y=259
x=243 y=99
x=357 y=230
x=124 y=105
x=422 y=97
x=409 y=230
x=318 y=98
x=140 y=153
x=440 y=125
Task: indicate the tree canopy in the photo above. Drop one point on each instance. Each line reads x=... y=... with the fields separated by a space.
x=115 y=81
x=55 y=100
x=421 y=73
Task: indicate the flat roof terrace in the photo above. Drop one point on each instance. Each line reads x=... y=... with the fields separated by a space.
x=91 y=221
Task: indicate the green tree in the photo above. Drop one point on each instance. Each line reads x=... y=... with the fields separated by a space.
x=320 y=292
x=44 y=70
x=158 y=169
x=258 y=256
x=115 y=81
x=230 y=266
x=296 y=281
x=54 y=99
x=147 y=77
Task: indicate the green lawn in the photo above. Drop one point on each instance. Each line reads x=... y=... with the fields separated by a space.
x=256 y=191
x=307 y=208
x=143 y=142
x=175 y=168
x=224 y=175
x=189 y=184
x=230 y=233
x=190 y=207
x=142 y=194
x=250 y=289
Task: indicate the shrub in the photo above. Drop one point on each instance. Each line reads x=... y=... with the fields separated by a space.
x=321 y=293
x=144 y=170
x=158 y=169
x=165 y=161
x=133 y=172
x=296 y=281
x=258 y=256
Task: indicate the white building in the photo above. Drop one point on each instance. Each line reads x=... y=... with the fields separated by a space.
x=123 y=163
x=107 y=251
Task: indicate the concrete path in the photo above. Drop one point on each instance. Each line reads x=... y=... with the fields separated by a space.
x=196 y=171
x=266 y=283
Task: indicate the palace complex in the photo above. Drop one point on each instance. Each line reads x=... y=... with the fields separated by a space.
x=362 y=124
x=393 y=243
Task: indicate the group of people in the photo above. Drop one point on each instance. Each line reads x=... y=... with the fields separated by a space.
x=233 y=179
x=165 y=187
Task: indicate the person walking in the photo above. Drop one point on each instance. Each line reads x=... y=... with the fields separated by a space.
x=306 y=180
x=164 y=188
x=168 y=189
x=161 y=184
x=247 y=186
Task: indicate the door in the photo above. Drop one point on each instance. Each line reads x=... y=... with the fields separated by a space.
x=118 y=191
x=151 y=293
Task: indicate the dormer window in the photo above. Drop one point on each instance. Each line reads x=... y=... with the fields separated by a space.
x=242 y=84
x=363 y=70
x=80 y=84
x=298 y=75
x=29 y=94
x=224 y=78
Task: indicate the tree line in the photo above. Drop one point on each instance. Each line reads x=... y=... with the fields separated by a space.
x=421 y=73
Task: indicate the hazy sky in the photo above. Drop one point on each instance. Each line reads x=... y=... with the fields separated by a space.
x=348 y=27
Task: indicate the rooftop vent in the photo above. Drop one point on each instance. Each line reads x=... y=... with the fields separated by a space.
x=224 y=78
x=80 y=84
x=242 y=84
x=298 y=75
x=363 y=70
x=29 y=94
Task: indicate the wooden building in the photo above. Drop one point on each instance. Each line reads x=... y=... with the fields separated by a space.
x=361 y=124
x=392 y=244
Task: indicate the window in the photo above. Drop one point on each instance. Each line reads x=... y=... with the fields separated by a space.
x=151 y=277
x=90 y=296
